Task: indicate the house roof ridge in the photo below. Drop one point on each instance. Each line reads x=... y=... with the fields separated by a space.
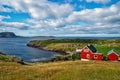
x=113 y=50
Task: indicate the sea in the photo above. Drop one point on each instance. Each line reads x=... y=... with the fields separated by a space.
x=17 y=47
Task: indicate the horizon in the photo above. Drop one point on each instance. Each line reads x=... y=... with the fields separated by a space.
x=83 y=18
x=76 y=35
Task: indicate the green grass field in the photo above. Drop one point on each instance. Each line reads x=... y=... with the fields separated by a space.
x=70 y=45
x=68 y=70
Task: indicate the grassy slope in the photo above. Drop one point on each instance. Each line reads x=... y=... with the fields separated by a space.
x=103 y=46
x=70 y=70
x=7 y=58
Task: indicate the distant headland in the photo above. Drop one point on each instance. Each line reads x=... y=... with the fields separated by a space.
x=13 y=35
x=8 y=35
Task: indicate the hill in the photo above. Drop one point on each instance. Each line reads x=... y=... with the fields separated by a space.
x=7 y=35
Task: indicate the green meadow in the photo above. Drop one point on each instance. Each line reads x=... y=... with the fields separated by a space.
x=68 y=70
x=70 y=45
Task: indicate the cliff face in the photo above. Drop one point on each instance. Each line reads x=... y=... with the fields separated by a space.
x=7 y=35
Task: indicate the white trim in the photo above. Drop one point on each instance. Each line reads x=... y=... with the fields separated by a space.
x=112 y=52
x=95 y=56
x=88 y=56
x=89 y=49
x=78 y=50
x=84 y=59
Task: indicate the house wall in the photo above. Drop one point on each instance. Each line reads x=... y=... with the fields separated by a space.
x=86 y=53
x=98 y=56
x=112 y=57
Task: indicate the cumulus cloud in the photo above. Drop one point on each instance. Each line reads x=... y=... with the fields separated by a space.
x=39 y=9
x=52 y=18
x=17 y=25
x=97 y=20
x=96 y=15
x=99 y=1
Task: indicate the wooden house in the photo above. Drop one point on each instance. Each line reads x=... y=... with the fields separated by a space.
x=89 y=53
x=113 y=55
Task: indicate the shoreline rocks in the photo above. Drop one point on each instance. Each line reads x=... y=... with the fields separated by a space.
x=47 y=49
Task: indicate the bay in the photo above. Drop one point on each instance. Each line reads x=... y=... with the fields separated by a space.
x=17 y=47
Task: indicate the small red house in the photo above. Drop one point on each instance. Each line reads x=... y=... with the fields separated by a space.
x=89 y=52
x=113 y=55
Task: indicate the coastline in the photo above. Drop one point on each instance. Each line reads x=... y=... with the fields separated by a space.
x=2 y=53
x=67 y=47
x=47 y=49
x=7 y=58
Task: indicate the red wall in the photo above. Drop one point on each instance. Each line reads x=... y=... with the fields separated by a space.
x=87 y=54
x=112 y=57
x=98 y=56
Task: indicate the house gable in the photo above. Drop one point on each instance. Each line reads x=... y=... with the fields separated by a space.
x=113 y=51
x=86 y=49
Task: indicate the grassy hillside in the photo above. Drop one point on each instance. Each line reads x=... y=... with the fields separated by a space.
x=6 y=58
x=69 y=70
x=70 y=45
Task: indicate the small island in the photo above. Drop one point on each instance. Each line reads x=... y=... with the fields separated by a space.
x=8 y=35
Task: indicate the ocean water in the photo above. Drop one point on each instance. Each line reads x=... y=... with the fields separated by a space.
x=17 y=47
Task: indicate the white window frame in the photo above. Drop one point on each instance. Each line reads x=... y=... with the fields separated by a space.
x=95 y=56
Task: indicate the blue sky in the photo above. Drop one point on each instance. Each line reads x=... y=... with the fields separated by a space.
x=60 y=17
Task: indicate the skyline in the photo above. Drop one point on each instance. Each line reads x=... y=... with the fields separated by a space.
x=60 y=17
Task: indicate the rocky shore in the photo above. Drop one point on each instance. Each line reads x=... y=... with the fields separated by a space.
x=53 y=45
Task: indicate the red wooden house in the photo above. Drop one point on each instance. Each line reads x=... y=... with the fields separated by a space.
x=113 y=55
x=89 y=52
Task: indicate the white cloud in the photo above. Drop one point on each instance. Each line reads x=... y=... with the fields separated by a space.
x=98 y=20
x=52 y=18
x=17 y=25
x=97 y=15
x=99 y=1
x=38 y=9
x=49 y=10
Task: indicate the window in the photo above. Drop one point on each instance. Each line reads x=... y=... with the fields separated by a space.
x=88 y=56
x=95 y=56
